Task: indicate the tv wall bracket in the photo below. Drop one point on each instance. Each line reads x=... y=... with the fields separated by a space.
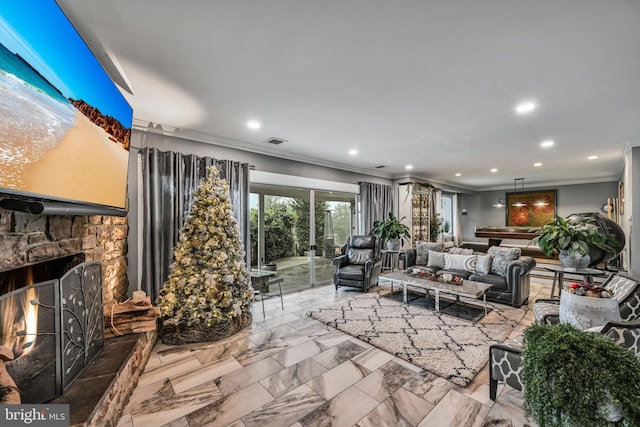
x=58 y=208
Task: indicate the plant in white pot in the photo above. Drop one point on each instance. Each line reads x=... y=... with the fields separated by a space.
x=392 y=231
x=572 y=240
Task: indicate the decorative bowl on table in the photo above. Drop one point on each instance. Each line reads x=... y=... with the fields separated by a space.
x=450 y=279
x=589 y=290
x=443 y=278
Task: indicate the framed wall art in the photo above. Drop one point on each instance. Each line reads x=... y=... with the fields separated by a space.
x=531 y=209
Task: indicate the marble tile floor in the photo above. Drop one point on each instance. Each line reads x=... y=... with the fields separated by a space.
x=287 y=369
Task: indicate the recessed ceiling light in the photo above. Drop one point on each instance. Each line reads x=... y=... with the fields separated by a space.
x=494 y=170
x=408 y=167
x=254 y=124
x=592 y=157
x=525 y=107
x=546 y=144
x=537 y=164
x=458 y=174
x=353 y=152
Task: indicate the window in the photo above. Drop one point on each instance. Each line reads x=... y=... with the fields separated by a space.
x=446 y=211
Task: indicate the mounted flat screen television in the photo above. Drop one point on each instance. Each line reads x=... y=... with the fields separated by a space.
x=64 y=125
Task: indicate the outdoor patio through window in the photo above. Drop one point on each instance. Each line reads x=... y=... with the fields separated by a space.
x=284 y=228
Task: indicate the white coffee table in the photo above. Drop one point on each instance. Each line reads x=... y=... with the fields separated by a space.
x=468 y=288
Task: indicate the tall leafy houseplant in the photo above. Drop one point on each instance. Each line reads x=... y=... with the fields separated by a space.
x=571 y=378
x=391 y=229
x=574 y=237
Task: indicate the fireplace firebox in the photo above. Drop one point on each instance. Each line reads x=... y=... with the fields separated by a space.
x=54 y=329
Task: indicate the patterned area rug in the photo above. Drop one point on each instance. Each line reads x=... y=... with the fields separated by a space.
x=452 y=348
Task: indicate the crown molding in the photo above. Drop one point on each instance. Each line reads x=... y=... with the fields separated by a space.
x=166 y=130
x=158 y=129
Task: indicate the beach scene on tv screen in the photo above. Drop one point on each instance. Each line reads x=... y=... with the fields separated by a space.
x=65 y=128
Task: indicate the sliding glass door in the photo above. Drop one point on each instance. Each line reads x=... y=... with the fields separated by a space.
x=295 y=234
x=279 y=235
x=338 y=213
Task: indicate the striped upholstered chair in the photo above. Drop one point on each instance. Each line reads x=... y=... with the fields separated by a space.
x=505 y=360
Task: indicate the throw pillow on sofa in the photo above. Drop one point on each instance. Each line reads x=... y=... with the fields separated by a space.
x=460 y=251
x=501 y=259
x=422 y=251
x=460 y=262
x=483 y=264
x=436 y=259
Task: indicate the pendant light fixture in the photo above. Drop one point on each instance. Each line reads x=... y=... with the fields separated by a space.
x=523 y=199
x=501 y=203
x=520 y=202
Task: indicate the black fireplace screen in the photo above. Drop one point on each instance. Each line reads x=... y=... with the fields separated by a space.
x=54 y=328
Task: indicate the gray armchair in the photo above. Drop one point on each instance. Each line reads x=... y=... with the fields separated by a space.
x=359 y=266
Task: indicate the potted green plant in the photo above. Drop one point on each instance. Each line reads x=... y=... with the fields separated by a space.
x=577 y=378
x=572 y=240
x=392 y=231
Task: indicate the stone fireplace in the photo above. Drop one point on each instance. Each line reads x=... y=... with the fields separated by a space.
x=40 y=249
x=27 y=239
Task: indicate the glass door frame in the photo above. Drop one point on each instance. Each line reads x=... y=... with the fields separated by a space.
x=307 y=184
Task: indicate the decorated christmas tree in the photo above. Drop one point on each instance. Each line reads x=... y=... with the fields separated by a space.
x=207 y=295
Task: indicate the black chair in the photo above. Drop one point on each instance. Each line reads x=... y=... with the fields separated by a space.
x=359 y=265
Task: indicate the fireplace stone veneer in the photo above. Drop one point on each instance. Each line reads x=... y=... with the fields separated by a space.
x=27 y=239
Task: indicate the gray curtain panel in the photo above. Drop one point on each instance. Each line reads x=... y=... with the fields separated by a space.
x=376 y=201
x=169 y=183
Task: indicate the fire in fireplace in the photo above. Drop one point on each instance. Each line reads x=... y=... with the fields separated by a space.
x=54 y=329
x=18 y=335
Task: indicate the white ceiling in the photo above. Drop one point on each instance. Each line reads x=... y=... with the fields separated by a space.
x=428 y=83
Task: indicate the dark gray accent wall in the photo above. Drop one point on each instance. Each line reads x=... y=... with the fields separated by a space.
x=578 y=198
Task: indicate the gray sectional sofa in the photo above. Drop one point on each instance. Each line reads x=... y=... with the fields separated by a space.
x=504 y=268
